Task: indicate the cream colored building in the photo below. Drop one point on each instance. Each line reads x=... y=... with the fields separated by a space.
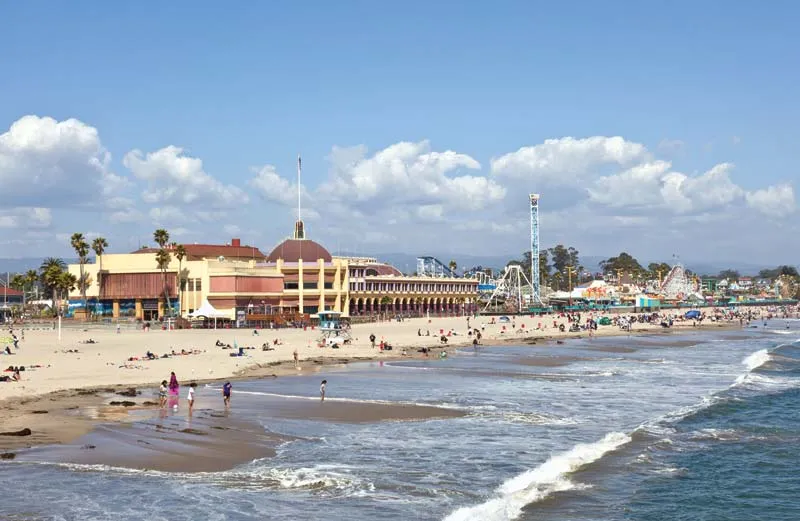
x=298 y=276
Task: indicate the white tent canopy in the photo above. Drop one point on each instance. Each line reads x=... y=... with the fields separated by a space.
x=208 y=311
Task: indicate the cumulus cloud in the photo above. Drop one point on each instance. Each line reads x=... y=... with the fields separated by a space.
x=409 y=173
x=774 y=201
x=44 y=162
x=567 y=160
x=654 y=184
x=173 y=177
x=26 y=218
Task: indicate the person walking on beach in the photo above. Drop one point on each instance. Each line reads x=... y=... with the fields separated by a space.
x=296 y=360
x=191 y=397
x=322 y=390
x=372 y=340
x=162 y=394
x=226 y=394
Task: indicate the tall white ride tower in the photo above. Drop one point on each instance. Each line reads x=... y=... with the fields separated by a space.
x=536 y=296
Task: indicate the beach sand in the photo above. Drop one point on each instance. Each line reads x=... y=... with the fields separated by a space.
x=70 y=392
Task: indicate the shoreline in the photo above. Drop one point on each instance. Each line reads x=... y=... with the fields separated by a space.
x=65 y=415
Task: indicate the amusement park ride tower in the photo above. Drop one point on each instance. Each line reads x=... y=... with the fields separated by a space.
x=536 y=295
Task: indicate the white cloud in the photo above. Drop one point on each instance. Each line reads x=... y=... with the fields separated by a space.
x=49 y=163
x=655 y=185
x=175 y=178
x=272 y=187
x=26 y=218
x=567 y=160
x=408 y=173
x=774 y=201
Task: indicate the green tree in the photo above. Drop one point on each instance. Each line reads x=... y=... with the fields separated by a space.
x=81 y=248
x=163 y=258
x=730 y=274
x=49 y=270
x=562 y=257
x=31 y=279
x=17 y=282
x=65 y=283
x=452 y=265
x=99 y=245
x=623 y=263
x=180 y=254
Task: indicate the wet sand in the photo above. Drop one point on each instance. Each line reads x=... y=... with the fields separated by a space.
x=208 y=442
x=334 y=410
x=613 y=349
x=549 y=361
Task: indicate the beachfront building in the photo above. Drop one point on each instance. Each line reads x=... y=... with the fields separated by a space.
x=299 y=276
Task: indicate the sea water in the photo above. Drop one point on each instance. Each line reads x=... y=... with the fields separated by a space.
x=700 y=426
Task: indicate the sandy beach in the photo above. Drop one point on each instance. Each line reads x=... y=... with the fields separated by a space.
x=69 y=387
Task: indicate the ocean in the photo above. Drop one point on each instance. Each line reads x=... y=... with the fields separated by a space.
x=696 y=426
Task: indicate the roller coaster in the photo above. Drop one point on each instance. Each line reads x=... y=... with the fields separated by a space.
x=433 y=267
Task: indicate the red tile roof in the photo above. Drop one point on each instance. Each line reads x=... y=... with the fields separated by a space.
x=11 y=292
x=210 y=251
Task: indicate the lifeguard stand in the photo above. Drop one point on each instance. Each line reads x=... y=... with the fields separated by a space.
x=332 y=329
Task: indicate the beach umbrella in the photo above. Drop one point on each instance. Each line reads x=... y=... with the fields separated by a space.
x=692 y=314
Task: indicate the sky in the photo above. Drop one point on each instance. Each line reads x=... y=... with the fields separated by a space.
x=656 y=128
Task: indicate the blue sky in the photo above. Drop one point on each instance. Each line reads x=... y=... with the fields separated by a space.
x=696 y=84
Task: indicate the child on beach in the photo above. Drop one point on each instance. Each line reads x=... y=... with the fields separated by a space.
x=191 y=396
x=226 y=394
x=322 y=390
x=162 y=394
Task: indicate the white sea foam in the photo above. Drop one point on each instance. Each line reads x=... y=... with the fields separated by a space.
x=535 y=485
x=756 y=360
x=532 y=418
x=323 y=478
x=355 y=400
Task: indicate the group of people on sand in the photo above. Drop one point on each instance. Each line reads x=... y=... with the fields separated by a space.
x=169 y=393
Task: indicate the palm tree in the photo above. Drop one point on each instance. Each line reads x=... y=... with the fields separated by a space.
x=161 y=237
x=17 y=282
x=66 y=282
x=180 y=254
x=48 y=272
x=81 y=248
x=31 y=278
x=99 y=245
x=452 y=265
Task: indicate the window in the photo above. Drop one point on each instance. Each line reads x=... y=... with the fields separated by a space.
x=328 y=285
x=197 y=285
x=309 y=285
x=290 y=285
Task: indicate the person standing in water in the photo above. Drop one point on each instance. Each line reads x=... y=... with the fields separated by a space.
x=296 y=361
x=174 y=390
x=322 y=390
x=191 y=397
x=162 y=394
x=226 y=394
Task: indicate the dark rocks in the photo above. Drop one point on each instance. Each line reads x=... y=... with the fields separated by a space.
x=130 y=393
x=88 y=447
x=193 y=431
x=24 y=432
x=124 y=403
x=150 y=404
x=39 y=412
x=8 y=455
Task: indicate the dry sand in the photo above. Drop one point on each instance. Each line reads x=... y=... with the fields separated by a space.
x=71 y=392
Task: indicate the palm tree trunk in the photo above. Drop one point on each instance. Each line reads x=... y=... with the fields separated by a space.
x=83 y=294
x=166 y=293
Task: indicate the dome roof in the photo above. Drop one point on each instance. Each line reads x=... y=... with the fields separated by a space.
x=292 y=250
